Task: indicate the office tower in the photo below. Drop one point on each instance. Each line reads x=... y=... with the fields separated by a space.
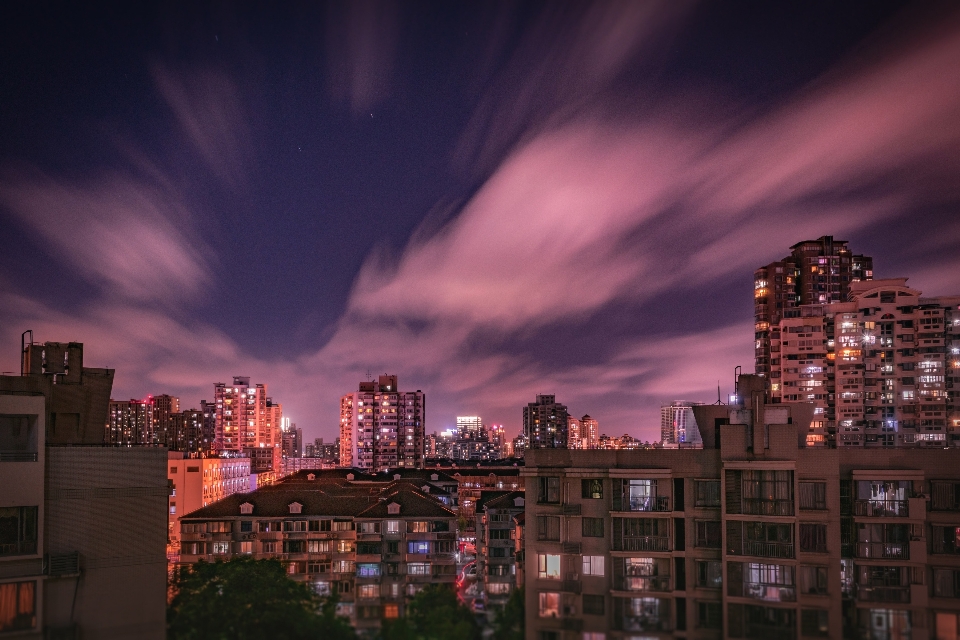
x=382 y=427
x=678 y=426
x=469 y=427
x=879 y=369
x=590 y=432
x=240 y=415
x=64 y=497
x=164 y=406
x=131 y=423
x=545 y=423
x=816 y=272
x=574 y=437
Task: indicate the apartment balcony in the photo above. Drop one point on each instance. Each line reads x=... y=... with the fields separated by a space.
x=769 y=632
x=648 y=504
x=769 y=592
x=883 y=594
x=768 y=549
x=646 y=543
x=644 y=583
x=881 y=508
x=883 y=550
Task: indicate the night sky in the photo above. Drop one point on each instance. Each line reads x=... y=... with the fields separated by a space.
x=491 y=200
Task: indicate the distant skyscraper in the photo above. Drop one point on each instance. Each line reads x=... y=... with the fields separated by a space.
x=209 y=432
x=292 y=440
x=590 y=432
x=498 y=438
x=469 y=427
x=382 y=427
x=574 y=437
x=545 y=423
x=678 y=425
x=816 y=272
x=164 y=406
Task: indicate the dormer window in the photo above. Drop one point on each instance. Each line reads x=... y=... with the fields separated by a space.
x=434 y=477
x=350 y=476
x=518 y=501
x=246 y=509
x=426 y=488
x=296 y=507
x=393 y=509
x=311 y=476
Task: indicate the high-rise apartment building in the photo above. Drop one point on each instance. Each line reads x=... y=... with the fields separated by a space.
x=879 y=369
x=292 y=441
x=185 y=431
x=240 y=414
x=545 y=423
x=678 y=426
x=590 y=432
x=209 y=410
x=816 y=272
x=164 y=407
x=574 y=439
x=131 y=423
x=382 y=427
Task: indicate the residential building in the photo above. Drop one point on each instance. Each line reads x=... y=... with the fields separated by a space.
x=64 y=499
x=469 y=427
x=209 y=411
x=164 y=408
x=240 y=415
x=574 y=438
x=880 y=369
x=545 y=423
x=496 y=546
x=382 y=427
x=498 y=437
x=196 y=482
x=291 y=441
x=678 y=426
x=373 y=540
x=131 y=423
x=185 y=432
x=816 y=272
x=756 y=535
x=590 y=432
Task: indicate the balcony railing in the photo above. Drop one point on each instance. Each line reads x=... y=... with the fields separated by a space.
x=769 y=592
x=883 y=550
x=653 y=503
x=646 y=543
x=644 y=583
x=754 y=507
x=768 y=549
x=647 y=623
x=881 y=508
x=769 y=632
x=883 y=594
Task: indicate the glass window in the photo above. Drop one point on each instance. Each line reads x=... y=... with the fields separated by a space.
x=548 y=566
x=368 y=570
x=548 y=527
x=813 y=495
x=549 y=604
x=418 y=568
x=18 y=530
x=591 y=489
x=709 y=574
x=593 y=605
x=418 y=546
x=18 y=606
x=549 y=489
x=593 y=565
x=592 y=527
x=393 y=526
x=707 y=493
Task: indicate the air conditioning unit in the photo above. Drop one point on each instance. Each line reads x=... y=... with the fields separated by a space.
x=253 y=536
x=204 y=535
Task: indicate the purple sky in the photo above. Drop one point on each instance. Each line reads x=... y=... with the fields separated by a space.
x=489 y=200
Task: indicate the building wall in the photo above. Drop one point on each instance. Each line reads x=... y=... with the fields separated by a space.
x=109 y=505
x=22 y=462
x=700 y=506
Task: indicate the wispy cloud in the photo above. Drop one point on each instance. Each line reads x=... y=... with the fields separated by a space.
x=129 y=237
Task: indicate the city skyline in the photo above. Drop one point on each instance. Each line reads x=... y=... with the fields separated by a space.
x=302 y=206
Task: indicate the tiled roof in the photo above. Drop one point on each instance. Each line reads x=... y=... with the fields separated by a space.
x=505 y=501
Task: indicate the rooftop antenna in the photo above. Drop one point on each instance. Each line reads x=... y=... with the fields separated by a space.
x=719 y=401
x=23 y=347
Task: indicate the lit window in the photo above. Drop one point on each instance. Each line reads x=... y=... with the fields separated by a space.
x=548 y=566
x=593 y=565
x=549 y=604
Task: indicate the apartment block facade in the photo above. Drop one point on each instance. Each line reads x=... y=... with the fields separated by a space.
x=382 y=427
x=754 y=536
x=496 y=546
x=545 y=423
x=82 y=526
x=882 y=369
x=374 y=541
x=816 y=272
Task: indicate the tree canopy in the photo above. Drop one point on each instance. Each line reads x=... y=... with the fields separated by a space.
x=509 y=622
x=434 y=613
x=247 y=599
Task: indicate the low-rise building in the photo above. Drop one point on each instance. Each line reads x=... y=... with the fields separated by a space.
x=496 y=546
x=374 y=540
